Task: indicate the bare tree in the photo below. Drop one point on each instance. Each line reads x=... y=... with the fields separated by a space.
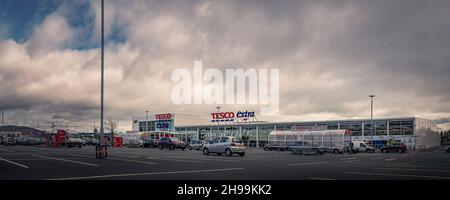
x=112 y=126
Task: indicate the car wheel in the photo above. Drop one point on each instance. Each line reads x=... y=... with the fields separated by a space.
x=79 y=146
x=336 y=151
x=228 y=152
x=189 y=147
x=383 y=150
x=266 y=149
x=205 y=151
x=241 y=154
x=172 y=147
x=160 y=147
x=183 y=148
x=368 y=151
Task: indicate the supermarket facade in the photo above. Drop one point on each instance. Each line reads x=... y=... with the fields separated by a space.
x=415 y=132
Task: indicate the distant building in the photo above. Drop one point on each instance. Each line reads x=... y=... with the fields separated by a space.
x=414 y=132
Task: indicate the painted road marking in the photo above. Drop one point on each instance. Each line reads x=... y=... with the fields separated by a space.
x=176 y=160
x=150 y=173
x=403 y=169
x=299 y=164
x=390 y=159
x=128 y=160
x=65 y=160
x=20 y=165
x=119 y=159
x=418 y=164
x=347 y=161
x=6 y=150
x=352 y=158
x=322 y=179
x=400 y=175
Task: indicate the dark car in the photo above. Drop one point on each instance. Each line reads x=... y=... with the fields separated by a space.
x=150 y=143
x=397 y=147
x=171 y=143
x=10 y=141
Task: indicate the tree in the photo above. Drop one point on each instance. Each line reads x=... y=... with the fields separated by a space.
x=112 y=126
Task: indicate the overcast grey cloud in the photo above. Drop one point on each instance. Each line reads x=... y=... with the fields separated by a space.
x=331 y=55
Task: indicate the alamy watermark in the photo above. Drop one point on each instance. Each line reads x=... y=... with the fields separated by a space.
x=209 y=87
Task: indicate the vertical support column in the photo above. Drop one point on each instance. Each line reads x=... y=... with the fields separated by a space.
x=362 y=128
x=257 y=137
x=387 y=128
x=339 y=126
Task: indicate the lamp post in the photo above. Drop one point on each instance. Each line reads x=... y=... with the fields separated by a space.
x=102 y=76
x=371 y=116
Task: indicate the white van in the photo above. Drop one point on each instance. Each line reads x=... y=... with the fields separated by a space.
x=361 y=146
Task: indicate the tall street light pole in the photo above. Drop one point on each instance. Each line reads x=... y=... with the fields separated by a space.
x=3 y=121
x=371 y=115
x=102 y=76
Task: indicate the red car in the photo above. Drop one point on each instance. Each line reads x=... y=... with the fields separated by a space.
x=399 y=147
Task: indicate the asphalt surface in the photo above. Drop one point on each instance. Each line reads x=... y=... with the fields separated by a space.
x=37 y=163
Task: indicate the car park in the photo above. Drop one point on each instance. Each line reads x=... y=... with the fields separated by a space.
x=227 y=145
x=171 y=143
x=73 y=140
x=10 y=141
x=396 y=147
x=197 y=145
x=150 y=143
x=360 y=146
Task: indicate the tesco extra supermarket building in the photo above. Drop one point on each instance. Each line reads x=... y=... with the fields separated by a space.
x=415 y=132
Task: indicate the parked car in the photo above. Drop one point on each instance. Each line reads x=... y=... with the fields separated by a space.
x=90 y=141
x=197 y=145
x=228 y=145
x=10 y=141
x=171 y=143
x=447 y=147
x=150 y=143
x=73 y=140
x=361 y=146
x=397 y=147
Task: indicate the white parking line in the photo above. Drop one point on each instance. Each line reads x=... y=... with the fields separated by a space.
x=390 y=159
x=351 y=158
x=176 y=160
x=400 y=175
x=403 y=169
x=128 y=160
x=418 y=164
x=20 y=165
x=119 y=159
x=150 y=173
x=6 y=150
x=347 y=161
x=322 y=179
x=299 y=164
x=65 y=160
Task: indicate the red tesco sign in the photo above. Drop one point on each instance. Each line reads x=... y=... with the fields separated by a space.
x=222 y=115
x=163 y=116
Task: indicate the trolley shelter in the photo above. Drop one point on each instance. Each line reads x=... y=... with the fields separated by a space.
x=324 y=140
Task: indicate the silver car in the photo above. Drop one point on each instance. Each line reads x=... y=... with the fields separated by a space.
x=227 y=145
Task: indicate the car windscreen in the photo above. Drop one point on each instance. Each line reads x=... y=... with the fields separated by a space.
x=237 y=140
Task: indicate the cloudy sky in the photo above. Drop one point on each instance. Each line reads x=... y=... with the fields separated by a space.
x=331 y=56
